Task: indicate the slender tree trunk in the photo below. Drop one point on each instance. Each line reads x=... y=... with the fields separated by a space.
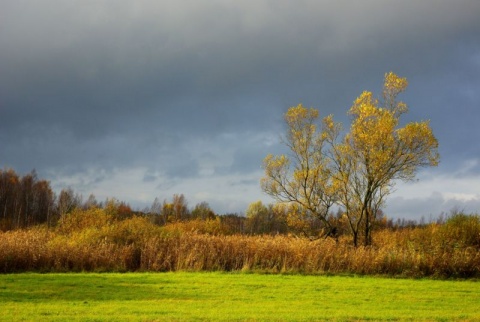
x=367 y=228
x=355 y=238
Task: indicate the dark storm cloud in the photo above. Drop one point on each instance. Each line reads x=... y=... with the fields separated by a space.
x=193 y=89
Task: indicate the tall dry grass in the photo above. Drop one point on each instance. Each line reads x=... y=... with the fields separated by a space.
x=94 y=241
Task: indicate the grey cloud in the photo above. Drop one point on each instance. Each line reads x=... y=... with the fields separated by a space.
x=149 y=177
x=124 y=84
x=431 y=207
x=415 y=208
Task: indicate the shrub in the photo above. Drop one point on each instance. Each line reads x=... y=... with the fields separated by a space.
x=461 y=230
x=80 y=219
x=199 y=226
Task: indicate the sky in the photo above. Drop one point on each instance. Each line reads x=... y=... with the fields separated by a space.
x=143 y=99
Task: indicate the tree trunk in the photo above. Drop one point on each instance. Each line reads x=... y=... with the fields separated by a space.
x=355 y=238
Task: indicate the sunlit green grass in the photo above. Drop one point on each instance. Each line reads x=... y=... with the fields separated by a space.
x=232 y=297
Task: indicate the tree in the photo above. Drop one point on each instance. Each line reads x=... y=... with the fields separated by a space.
x=258 y=218
x=203 y=211
x=156 y=211
x=43 y=203
x=117 y=209
x=305 y=178
x=377 y=152
x=68 y=201
x=91 y=202
x=180 y=207
x=174 y=211
x=357 y=171
x=24 y=201
x=9 y=198
x=266 y=219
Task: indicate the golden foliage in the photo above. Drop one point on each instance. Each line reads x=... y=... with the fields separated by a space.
x=356 y=172
x=304 y=177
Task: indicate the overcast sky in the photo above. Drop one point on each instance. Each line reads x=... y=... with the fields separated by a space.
x=144 y=99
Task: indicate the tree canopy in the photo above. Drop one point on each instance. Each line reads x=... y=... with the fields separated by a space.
x=354 y=170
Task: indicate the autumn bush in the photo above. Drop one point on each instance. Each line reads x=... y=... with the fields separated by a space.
x=461 y=231
x=96 y=240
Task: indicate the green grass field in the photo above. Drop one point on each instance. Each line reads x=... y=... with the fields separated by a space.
x=186 y=296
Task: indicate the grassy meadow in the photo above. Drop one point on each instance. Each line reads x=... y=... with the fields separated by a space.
x=104 y=268
x=217 y=296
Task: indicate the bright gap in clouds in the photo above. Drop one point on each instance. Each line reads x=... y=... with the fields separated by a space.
x=224 y=171
x=436 y=192
x=226 y=193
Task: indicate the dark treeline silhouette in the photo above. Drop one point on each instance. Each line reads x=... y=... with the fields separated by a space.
x=25 y=200
x=28 y=201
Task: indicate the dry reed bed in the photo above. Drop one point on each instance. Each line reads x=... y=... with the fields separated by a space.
x=136 y=246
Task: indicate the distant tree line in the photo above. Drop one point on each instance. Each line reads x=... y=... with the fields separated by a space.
x=25 y=200
x=28 y=201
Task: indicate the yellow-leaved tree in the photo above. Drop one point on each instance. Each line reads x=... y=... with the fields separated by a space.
x=304 y=178
x=358 y=170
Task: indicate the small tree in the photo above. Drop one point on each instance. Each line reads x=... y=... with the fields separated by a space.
x=303 y=178
x=180 y=207
x=258 y=218
x=175 y=211
x=68 y=201
x=203 y=211
x=266 y=219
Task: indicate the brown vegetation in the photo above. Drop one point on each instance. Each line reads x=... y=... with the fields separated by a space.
x=48 y=234
x=98 y=240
